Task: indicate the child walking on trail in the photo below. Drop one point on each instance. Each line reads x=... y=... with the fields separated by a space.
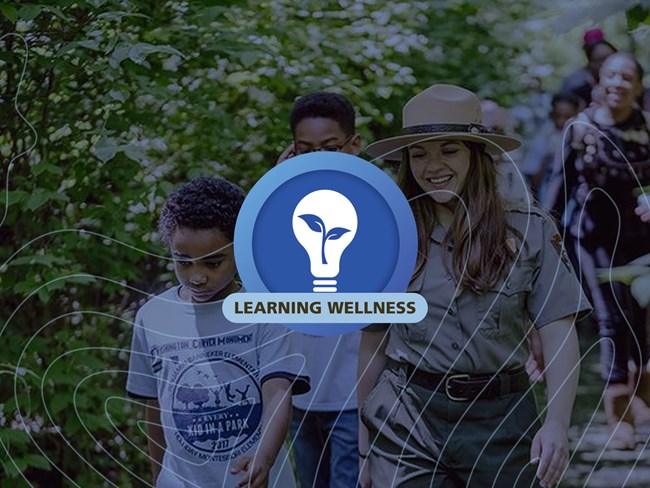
x=325 y=421
x=447 y=402
x=218 y=394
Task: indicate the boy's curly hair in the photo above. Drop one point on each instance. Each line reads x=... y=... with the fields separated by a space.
x=203 y=203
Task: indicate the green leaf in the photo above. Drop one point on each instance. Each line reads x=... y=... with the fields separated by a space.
x=639 y=190
x=636 y=16
x=82 y=401
x=40 y=198
x=19 y=463
x=166 y=187
x=248 y=58
x=623 y=274
x=44 y=296
x=46 y=260
x=14 y=437
x=50 y=168
x=640 y=289
x=15 y=196
x=72 y=425
x=120 y=15
x=139 y=52
x=91 y=44
x=84 y=280
x=118 y=95
x=95 y=422
x=120 y=53
x=105 y=149
x=10 y=13
x=37 y=201
x=60 y=402
x=133 y=152
x=38 y=461
x=57 y=12
x=30 y=12
x=238 y=78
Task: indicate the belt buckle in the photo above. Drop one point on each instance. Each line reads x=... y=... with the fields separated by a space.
x=447 y=387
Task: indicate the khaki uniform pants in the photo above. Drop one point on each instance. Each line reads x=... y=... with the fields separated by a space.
x=421 y=438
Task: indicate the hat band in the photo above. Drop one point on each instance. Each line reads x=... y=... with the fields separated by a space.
x=444 y=128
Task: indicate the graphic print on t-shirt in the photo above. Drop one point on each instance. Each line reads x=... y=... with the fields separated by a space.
x=216 y=402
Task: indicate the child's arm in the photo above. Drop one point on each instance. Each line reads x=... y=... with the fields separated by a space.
x=276 y=415
x=156 y=442
x=371 y=363
x=562 y=355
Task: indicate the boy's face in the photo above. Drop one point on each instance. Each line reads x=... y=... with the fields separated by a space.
x=562 y=111
x=319 y=133
x=204 y=264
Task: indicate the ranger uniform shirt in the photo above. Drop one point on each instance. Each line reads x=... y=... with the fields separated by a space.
x=466 y=332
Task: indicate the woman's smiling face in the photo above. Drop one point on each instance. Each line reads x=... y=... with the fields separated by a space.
x=440 y=168
x=620 y=81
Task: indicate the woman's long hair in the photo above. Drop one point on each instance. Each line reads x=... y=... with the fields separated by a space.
x=479 y=235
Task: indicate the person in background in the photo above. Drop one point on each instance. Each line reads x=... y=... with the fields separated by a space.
x=581 y=82
x=539 y=157
x=606 y=158
x=217 y=394
x=447 y=402
x=325 y=421
x=510 y=180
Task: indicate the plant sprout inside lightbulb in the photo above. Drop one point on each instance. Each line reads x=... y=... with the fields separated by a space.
x=324 y=222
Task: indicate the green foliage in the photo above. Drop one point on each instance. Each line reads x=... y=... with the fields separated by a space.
x=637 y=16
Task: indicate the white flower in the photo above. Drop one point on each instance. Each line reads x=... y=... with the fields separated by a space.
x=194 y=85
x=60 y=133
x=174 y=88
x=158 y=144
x=22 y=26
x=172 y=62
x=138 y=208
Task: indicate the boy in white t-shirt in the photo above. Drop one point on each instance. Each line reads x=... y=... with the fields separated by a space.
x=325 y=421
x=218 y=394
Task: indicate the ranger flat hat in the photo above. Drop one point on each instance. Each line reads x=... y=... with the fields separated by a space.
x=441 y=112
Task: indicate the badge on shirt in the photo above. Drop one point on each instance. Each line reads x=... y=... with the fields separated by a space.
x=556 y=241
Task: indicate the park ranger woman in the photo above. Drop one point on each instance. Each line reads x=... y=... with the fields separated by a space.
x=447 y=402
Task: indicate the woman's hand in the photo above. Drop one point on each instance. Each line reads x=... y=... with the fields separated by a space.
x=550 y=449
x=550 y=452
x=535 y=362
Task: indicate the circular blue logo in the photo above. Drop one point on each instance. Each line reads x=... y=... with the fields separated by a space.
x=325 y=222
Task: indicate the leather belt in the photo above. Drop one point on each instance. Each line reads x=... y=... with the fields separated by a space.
x=464 y=387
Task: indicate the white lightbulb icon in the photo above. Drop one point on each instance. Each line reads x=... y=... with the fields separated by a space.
x=324 y=222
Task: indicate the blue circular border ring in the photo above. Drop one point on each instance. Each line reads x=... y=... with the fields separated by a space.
x=332 y=161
